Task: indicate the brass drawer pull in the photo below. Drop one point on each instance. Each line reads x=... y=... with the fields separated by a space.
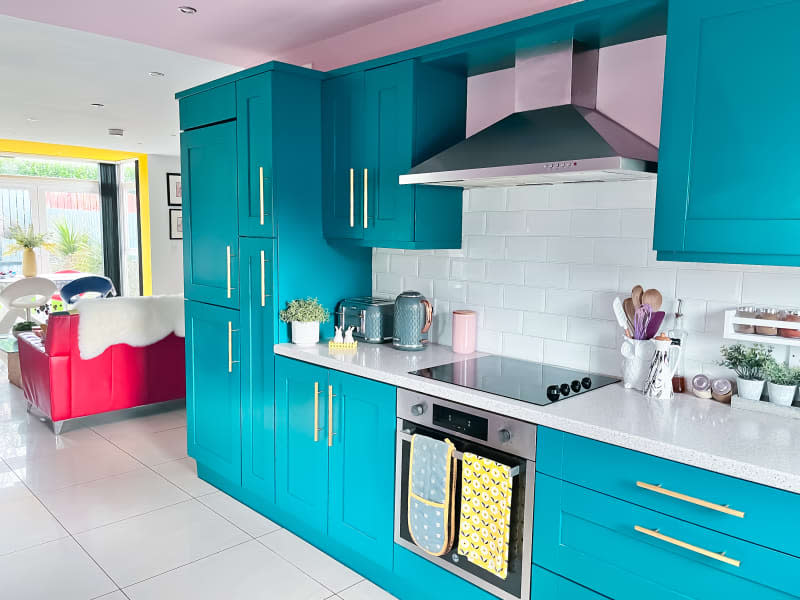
x=365 y=198
x=261 y=192
x=720 y=556
x=678 y=496
x=230 y=347
x=330 y=415
x=352 y=198
x=264 y=295
x=228 y=269
x=317 y=428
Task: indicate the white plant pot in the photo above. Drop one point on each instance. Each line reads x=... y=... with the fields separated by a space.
x=750 y=389
x=781 y=394
x=305 y=333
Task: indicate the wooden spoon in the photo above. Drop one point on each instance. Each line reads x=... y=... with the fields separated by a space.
x=630 y=311
x=636 y=295
x=653 y=298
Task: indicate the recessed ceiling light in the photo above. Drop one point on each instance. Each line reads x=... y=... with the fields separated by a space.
x=187 y=10
x=97 y=105
x=155 y=74
x=115 y=131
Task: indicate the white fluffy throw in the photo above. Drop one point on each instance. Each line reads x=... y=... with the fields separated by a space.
x=136 y=321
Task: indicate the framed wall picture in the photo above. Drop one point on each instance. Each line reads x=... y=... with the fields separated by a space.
x=175 y=224
x=174 y=191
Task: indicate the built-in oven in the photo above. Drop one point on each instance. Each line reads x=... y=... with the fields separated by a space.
x=489 y=435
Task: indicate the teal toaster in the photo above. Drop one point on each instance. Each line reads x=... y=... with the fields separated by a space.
x=371 y=316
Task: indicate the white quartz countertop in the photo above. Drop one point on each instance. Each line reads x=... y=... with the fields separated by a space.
x=758 y=447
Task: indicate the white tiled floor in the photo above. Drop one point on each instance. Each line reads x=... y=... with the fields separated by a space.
x=113 y=509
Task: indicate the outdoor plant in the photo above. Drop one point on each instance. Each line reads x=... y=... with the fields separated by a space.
x=305 y=311
x=23 y=237
x=748 y=362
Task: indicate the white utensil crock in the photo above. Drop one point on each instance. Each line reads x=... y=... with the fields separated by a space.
x=305 y=333
x=662 y=369
x=637 y=355
x=750 y=389
x=781 y=394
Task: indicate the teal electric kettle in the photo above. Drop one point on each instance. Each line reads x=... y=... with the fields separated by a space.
x=413 y=315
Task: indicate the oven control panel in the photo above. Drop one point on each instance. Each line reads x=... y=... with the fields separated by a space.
x=456 y=420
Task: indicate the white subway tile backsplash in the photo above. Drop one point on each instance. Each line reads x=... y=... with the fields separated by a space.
x=524 y=298
x=435 y=267
x=594 y=277
x=498 y=271
x=526 y=248
x=542 y=264
x=723 y=286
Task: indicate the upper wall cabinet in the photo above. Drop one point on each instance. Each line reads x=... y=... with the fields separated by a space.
x=727 y=187
x=377 y=124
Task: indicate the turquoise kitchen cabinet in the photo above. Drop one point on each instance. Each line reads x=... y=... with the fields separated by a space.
x=727 y=190
x=381 y=122
x=213 y=379
x=628 y=552
x=254 y=152
x=549 y=586
x=342 y=155
x=258 y=327
x=210 y=216
x=208 y=107
x=301 y=449
x=361 y=466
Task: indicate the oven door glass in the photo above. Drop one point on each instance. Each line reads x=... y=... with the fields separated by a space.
x=517 y=582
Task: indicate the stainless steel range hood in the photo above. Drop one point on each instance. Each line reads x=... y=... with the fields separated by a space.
x=557 y=134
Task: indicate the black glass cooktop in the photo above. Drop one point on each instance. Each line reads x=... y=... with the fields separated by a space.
x=532 y=382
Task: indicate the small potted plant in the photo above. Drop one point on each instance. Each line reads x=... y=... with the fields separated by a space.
x=21 y=327
x=781 y=382
x=25 y=240
x=749 y=363
x=305 y=317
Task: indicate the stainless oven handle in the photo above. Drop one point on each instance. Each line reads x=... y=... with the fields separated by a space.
x=406 y=436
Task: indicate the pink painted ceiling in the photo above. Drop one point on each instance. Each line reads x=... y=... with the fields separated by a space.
x=327 y=33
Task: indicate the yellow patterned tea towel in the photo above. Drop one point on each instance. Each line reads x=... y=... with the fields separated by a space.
x=485 y=513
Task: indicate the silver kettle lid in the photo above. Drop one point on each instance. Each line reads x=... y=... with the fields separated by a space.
x=410 y=294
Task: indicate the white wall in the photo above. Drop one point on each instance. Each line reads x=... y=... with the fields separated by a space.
x=167 y=254
x=541 y=265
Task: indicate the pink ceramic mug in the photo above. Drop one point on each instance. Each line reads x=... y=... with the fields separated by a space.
x=465 y=331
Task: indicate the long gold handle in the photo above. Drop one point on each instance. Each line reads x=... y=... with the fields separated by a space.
x=230 y=347
x=228 y=263
x=330 y=416
x=316 y=411
x=352 y=199
x=365 y=198
x=677 y=495
x=720 y=556
x=263 y=281
x=261 y=192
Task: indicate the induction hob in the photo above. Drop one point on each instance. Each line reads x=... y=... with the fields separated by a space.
x=522 y=380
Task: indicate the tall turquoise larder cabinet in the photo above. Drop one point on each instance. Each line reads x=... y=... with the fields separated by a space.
x=727 y=185
x=253 y=240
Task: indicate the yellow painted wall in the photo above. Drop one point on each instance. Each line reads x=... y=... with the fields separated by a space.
x=101 y=155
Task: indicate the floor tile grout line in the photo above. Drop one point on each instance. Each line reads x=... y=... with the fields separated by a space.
x=219 y=514
x=48 y=491
x=281 y=556
x=147 y=512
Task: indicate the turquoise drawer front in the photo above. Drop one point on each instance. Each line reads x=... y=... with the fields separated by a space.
x=212 y=106
x=613 y=547
x=635 y=477
x=549 y=586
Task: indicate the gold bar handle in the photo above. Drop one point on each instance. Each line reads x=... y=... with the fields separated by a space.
x=231 y=362
x=352 y=198
x=330 y=416
x=264 y=295
x=720 y=556
x=317 y=428
x=678 y=496
x=365 y=198
x=261 y=193
x=228 y=268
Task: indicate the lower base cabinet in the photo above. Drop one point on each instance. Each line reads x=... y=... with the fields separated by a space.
x=549 y=586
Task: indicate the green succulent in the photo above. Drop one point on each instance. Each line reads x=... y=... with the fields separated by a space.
x=780 y=374
x=748 y=362
x=305 y=311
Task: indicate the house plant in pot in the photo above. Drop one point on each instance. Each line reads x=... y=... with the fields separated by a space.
x=305 y=317
x=781 y=382
x=25 y=240
x=749 y=363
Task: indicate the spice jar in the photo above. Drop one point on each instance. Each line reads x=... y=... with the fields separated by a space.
x=748 y=312
x=769 y=314
x=792 y=316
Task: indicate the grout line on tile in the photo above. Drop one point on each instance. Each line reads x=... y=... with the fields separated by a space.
x=211 y=508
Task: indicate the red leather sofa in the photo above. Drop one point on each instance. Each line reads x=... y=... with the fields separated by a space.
x=62 y=385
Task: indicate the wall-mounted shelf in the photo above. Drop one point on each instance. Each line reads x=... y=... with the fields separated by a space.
x=731 y=319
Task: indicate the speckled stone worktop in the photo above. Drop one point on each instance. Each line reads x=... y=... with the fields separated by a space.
x=749 y=445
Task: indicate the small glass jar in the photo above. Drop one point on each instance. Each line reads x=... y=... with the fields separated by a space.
x=769 y=314
x=748 y=312
x=792 y=316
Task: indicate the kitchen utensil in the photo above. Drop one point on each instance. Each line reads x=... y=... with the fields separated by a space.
x=413 y=316
x=619 y=313
x=636 y=295
x=653 y=298
x=372 y=318
x=662 y=368
x=637 y=355
x=630 y=310
x=641 y=319
x=656 y=319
